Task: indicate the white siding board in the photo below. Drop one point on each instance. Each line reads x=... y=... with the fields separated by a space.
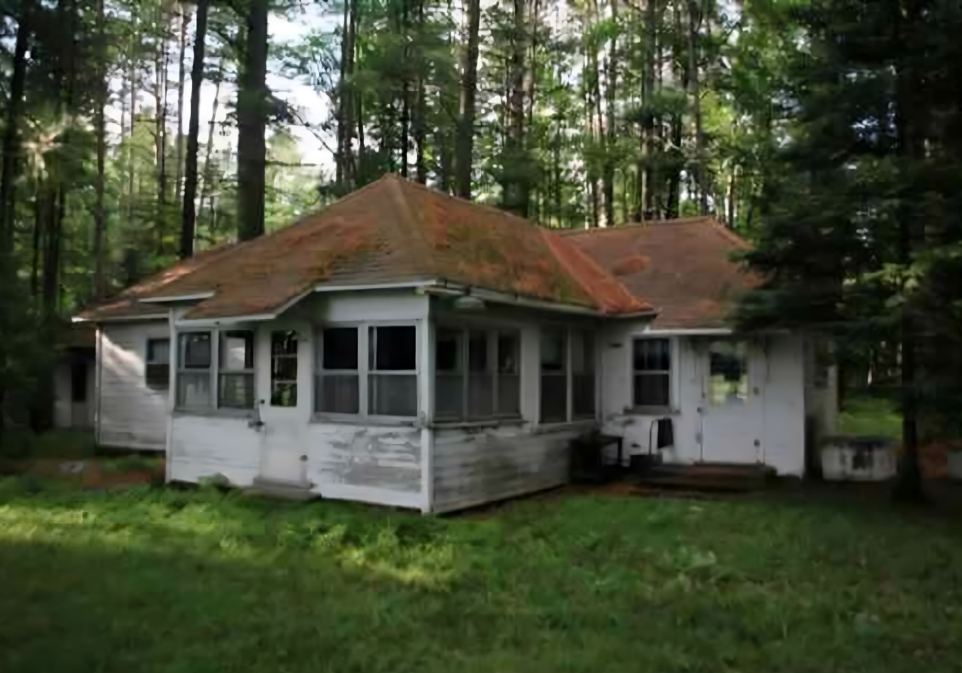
x=473 y=468
x=131 y=415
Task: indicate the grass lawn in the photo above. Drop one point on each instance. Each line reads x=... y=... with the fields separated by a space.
x=872 y=417
x=165 y=580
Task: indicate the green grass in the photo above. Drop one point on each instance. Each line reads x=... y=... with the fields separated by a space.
x=871 y=417
x=163 y=580
x=66 y=444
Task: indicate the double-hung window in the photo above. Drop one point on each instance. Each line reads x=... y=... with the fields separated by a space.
x=567 y=374
x=367 y=370
x=476 y=373
x=200 y=384
x=651 y=376
x=157 y=371
x=235 y=388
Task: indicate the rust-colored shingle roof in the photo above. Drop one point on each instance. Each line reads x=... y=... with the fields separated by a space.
x=683 y=268
x=390 y=231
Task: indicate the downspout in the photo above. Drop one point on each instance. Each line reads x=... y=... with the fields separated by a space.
x=171 y=396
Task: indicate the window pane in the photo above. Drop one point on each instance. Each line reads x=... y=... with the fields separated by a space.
x=728 y=379
x=509 y=394
x=651 y=390
x=582 y=352
x=393 y=395
x=554 y=399
x=652 y=355
x=284 y=369
x=193 y=389
x=195 y=350
x=339 y=393
x=508 y=348
x=236 y=391
x=339 y=348
x=480 y=395
x=583 y=395
x=447 y=356
x=157 y=376
x=477 y=351
x=237 y=350
x=283 y=394
x=158 y=351
x=553 y=355
x=393 y=348
x=449 y=395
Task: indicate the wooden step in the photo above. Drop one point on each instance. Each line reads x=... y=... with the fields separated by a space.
x=708 y=476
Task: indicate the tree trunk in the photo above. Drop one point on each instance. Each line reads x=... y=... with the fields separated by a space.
x=346 y=169
x=11 y=137
x=160 y=129
x=252 y=120
x=208 y=169
x=701 y=182
x=181 y=78
x=515 y=187
x=188 y=224
x=100 y=222
x=608 y=175
x=464 y=146
x=131 y=183
x=910 y=125
x=648 y=121
x=420 y=110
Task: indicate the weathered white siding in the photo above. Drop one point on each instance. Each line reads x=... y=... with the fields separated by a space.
x=202 y=446
x=131 y=415
x=774 y=415
x=473 y=467
x=366 y=462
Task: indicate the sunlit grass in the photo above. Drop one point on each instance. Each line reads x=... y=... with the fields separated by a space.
x=165 y=580
x=870 y=417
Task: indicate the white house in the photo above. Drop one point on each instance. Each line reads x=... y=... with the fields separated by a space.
x=407 y=348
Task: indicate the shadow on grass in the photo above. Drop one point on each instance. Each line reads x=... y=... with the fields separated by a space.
x=168 y=580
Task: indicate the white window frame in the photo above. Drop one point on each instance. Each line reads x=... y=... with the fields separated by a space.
x=213 y=371
x=492 y=332
x=364 y=371
x=672 y=358
x=569 y=373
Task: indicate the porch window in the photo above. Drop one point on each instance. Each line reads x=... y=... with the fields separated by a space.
x=194 y=370
x=235 y=388
x=338 y=380
x=476 y=373
x=284 y=368
x=652 y=372
x=554 y=375
x=157 y=371
x=393 y=375
x=582 y=374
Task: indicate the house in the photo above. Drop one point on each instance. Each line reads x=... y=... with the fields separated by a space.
x=408 y=348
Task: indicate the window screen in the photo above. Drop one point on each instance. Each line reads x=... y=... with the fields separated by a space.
x=554 y=376
x=393 y=380
x=728 y=372
x=652 y=372
x=582 y=374
x=194 y=370
x=338 y=380
x=157 y=370
x=236 y=385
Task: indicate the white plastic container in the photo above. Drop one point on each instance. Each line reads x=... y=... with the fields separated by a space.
x=858 y=459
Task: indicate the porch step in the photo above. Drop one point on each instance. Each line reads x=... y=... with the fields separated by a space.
x=708 y=476
x=279 y=488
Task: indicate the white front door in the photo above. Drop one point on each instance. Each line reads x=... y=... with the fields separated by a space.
x=731 y=405
x=284 y=403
